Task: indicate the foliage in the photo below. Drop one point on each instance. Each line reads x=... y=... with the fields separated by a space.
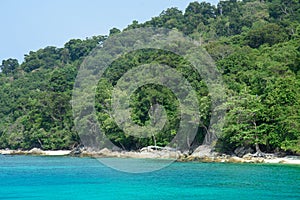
x=255 y=45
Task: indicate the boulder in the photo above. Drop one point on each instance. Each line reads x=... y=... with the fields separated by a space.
x=235 y=159
x=203 y=151
x=105 y=152
x=76 y=151
x=241 y=151
x=248 y=156
x=6 y=152
x=36 y=151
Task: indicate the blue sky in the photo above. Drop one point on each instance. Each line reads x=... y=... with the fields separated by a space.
x=33 y=24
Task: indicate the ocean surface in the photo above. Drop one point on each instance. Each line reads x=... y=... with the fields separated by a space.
x=33 y=177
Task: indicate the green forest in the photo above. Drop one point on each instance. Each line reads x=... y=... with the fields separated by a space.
x=255 y=45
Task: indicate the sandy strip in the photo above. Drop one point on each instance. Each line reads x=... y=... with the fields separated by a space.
x=282 y=160
x=36 y=152
x=57 y=153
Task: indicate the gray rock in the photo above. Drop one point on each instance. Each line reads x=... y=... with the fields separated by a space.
x=36 y=151
x=105 y=152
x=203 y=151
x=241 y=151
x=248 y=156
x=76 y=151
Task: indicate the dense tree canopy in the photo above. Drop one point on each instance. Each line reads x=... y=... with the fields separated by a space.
x=256 y=47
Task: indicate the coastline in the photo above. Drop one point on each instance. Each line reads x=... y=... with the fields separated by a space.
x=156 y=154
x=235 y=159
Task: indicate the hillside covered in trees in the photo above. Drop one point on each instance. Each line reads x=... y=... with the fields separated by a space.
x=254 y=43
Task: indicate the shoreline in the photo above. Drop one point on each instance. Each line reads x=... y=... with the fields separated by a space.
x=178 y=156
x=235 y=159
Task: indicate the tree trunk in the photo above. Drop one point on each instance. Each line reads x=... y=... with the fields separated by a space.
x=257 y=149
x=122 y=146
x=154 y=139
x=210 y=136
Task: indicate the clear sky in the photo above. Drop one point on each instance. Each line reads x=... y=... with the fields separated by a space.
x=33 y=24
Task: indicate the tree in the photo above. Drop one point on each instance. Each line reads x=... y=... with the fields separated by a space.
x=197 y=13
x=283 y=102
x=9 y=66
x=266 y=34
x=284 y=9
x=254 y=11
x=170 y=18
x=244 y=122
x=78 y=48
x=114 y=31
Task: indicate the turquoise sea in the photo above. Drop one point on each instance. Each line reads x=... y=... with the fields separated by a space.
x=30 y=177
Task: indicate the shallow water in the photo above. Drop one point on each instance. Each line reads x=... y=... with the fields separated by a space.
x=30 y=177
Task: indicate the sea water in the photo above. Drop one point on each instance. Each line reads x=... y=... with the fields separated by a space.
x=71 y=178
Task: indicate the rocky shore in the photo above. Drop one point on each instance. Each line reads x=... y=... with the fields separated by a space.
x=205 y=153
x=201 y=154
x=245 y=159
